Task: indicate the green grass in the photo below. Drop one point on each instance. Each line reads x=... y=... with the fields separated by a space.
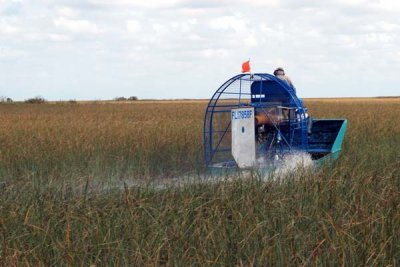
x=347 y=213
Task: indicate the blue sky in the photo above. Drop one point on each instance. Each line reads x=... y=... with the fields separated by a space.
x=98 y=49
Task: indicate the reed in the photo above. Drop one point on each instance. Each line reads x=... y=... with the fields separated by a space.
x=54 y=156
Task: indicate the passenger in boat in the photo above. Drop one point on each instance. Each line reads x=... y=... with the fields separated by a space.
x=280 y=73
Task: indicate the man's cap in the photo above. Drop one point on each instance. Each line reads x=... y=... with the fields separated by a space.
x=279 y=70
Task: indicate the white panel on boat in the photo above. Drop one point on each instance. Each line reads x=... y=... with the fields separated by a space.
x=243 y=137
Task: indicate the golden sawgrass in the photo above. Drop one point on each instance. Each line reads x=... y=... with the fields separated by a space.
x=343 y=214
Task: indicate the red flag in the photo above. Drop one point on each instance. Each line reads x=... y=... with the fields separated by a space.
x=246 y=66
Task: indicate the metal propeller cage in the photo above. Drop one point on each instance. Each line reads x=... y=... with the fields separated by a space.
x=268 y=95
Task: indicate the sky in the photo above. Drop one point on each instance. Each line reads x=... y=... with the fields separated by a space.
x=157 y=49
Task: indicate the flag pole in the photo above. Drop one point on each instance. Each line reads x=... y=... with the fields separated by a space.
x=251 y=75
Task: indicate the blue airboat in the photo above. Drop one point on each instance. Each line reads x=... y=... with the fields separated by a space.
x=259 y=115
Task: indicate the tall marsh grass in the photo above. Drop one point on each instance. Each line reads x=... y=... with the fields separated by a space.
x=347 y=213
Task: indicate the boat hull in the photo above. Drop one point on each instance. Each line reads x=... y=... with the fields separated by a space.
x=324 y=146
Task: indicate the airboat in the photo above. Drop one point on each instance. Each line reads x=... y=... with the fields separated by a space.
x=258 y=117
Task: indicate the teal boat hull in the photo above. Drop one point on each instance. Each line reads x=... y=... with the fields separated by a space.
x=326 y=139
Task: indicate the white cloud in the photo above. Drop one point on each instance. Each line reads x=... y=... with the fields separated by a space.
x=389 y=27
x=251 y=41
x=233 y=23
x=378 y=38
x=76 y=25
x=35 y=37
x=215 y=53
x=139 y=3
x=68 y=12
x=192 y=21
x=11 y=53
x=58 y=37
x=266 y=29
x=160 y=28
x=352 y=2
x=7 y=28
x=194 y=37
x=387 y=5
x=262 y=3
x=133 y=26
x=315 y=41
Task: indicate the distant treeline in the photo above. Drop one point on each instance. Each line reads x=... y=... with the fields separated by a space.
x=4 y=99
x=121 y=98
x=41 y=100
